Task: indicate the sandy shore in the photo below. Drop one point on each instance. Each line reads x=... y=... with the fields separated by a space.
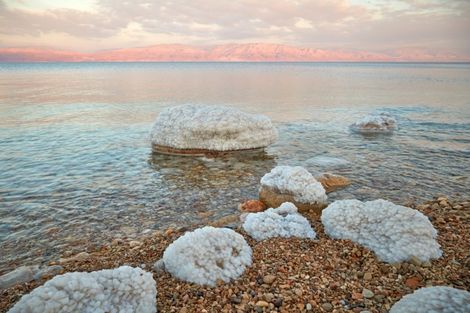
x=295 y=275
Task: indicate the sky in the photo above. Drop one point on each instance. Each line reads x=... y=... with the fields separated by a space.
x=372 y=25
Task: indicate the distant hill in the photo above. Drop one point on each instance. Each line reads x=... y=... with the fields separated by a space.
x=261 y=52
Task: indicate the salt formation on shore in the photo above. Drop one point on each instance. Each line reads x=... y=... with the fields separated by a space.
x=381 y=123
x=193 y=129
x=283 y=221
x=208 y=254
x=434 y=299
x=395 y=233
x=125 y=289
x=292 y=184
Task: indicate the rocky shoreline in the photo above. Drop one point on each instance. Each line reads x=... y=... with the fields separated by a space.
x=290 y=275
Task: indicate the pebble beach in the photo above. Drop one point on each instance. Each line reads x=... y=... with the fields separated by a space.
x=291 y=275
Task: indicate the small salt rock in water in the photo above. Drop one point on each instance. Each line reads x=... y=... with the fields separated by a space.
x=382 y=123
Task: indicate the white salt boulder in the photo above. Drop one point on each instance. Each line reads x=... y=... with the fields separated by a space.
x=381 y=123
x=292 y=184
x=125 y=289
x=195 y=129
x=434 y=299
x=395 y=233
x=208 y=254
x=283 y=221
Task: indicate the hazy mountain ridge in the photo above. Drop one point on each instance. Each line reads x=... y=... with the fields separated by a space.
x=262 y=52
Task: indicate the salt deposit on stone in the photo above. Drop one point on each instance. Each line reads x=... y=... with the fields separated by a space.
x=208 y=254
x=297 y=181
x=434 y=299
x=381 y=123
x=284 y=221
x=214 y=128
x=124 y=290
x=395 y=233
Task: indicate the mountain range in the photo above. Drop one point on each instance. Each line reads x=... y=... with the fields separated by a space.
x=251 y=52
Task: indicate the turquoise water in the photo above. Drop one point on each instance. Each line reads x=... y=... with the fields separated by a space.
x=77 y=168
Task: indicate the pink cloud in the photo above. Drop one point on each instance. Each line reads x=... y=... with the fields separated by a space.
x=437 y=26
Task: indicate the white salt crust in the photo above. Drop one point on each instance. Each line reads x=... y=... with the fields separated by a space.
x=215 y=128
x=124 y=290
x=381 y=123
x=208 y=254
x=284 y=221
x=434 y=300
x=296 y=181
x=395 y=233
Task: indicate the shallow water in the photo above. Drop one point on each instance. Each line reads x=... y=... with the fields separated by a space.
x=77 y=167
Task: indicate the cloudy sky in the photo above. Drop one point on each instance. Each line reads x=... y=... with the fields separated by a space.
x=374 y=25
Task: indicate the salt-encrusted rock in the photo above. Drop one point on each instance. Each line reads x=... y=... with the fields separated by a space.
x=208 y=254
x=284 y=221
x=22 y=274
x=434 y=299
x=292 y=184
x=199 y=129
x=332 y=182
x=125 y=289
x=395 y=233
x=381 y=123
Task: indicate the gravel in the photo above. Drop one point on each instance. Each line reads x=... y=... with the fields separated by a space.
x=295 y=275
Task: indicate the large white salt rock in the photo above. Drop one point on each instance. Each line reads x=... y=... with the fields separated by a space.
x=395 y=233
x=381 y=123
x=124 y=290
x=214 y=128
x=283 y=221
x=208 y=254
x=434 y=300
x=295 y=181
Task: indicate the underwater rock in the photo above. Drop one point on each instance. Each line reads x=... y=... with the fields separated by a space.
x=283 y=221
x=207 y=255
x=202 y=129
x=252 y=206
x=22 y=274
x=395 y=233
x=124 y=289
x=332 y=182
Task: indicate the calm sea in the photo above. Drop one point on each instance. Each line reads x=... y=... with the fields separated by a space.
x=76 y=167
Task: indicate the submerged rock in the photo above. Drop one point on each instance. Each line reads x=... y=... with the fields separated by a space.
x=201 y=129
x=381 y=123
x=434 y=299
x=22 y=274
x=292 y=184
x=206 y=255
x=395 y=233
x=252 y=206
x=125 y=289
x=327 y=161
x=332 y=182
x=284 y=221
